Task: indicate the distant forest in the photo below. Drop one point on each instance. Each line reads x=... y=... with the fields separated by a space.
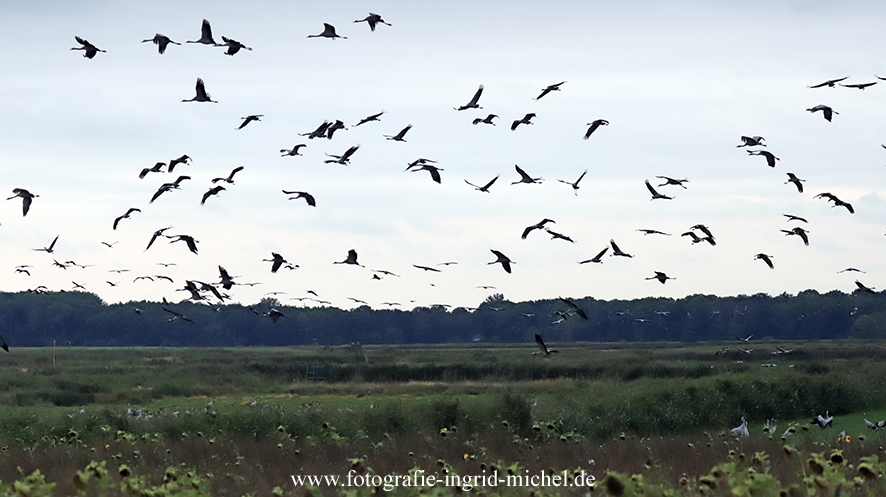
x=82 y=319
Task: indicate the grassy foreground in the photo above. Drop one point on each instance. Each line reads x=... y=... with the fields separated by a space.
x=242 y=421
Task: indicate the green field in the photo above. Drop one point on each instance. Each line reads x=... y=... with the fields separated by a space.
x=241 y=421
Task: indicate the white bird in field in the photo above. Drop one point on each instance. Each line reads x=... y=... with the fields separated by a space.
x=824 y=421
x=742 y=429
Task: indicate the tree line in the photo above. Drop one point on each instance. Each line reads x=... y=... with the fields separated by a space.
x=83 y=319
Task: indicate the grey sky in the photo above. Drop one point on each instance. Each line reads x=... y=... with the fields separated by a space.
x=679 y=82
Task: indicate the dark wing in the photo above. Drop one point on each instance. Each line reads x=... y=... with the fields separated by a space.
x=476 y=97
x=205 y=30
x=651 y=190
x=201 y=88
x=435 y=174
x=486 y=187
x=522 y=173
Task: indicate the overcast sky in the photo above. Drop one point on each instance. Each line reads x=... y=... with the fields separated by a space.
x=679 y=83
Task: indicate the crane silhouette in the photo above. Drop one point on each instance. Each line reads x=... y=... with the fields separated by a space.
x=274 y=314
x=305 y=195
x=864 y=288
x=205 y=35
x=161 y=41
x=484 y=188
x=829 y=83
x=550 y=88
x=472 y=104
x=293 y=151
x=751 y=141
x=227 y=281
x=399 y=136
x=126 y=215
x=373 y=20
x=792 y=178
x=860 y=86
x=593 y=127
x=156 y=234
x=655 y=194
x=525 y=178
x=48 y=249
x=575 y=184
x=230 y=178
x=328 y=32
x=799 y=232
x=344 y=158
x=555 y=236
x=373 y=117
x=486 y=120
x=837 y=202
x=351 y=259
x=26 y=196
x=184 y=159
x=597 y=258
x=503 y=259
x=156 y=168
x=826 y=111
x=661 y=277
x=189 y=241
x=320 y=132
x=201 y=95
x=617 y=251
x=770 y=157
x=765 y=258
x=248 y=119
x=215 y=190
x=537 y=226
x=525 y=120
x=672 y=181
x=542 y=348
x=89 y=50
x=792 y=217
x=434 y=170
x=337 y=125
x=234 y=46
x=277 y=260
x=165 y=187
x=176 y=315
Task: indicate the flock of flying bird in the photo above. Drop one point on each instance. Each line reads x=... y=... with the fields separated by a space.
x=202 y=291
